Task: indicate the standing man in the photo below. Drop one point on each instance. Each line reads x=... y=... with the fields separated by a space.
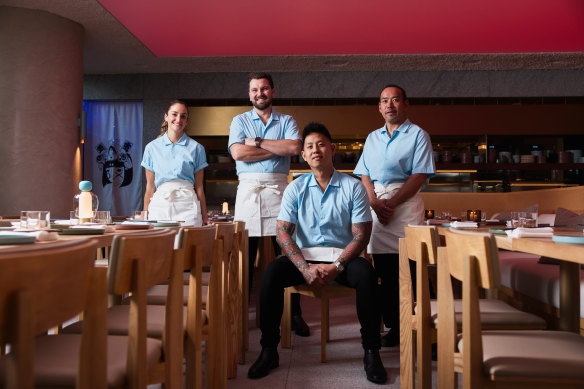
x=262 y=141
x=325 y=220
x=392 y=187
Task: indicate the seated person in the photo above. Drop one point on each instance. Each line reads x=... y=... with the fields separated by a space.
x=328 y=211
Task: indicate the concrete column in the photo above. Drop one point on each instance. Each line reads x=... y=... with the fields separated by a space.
x=41 y=92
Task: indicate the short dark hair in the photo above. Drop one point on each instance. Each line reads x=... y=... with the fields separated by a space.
x=318 y=128
x=259 y=76
x=403 y=91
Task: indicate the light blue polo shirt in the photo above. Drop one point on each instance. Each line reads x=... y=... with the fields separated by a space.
x=174 y=161
x=250 y=125
x=324 y=219
x=393 y=160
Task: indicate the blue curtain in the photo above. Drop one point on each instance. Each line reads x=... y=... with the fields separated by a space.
x=112 y=155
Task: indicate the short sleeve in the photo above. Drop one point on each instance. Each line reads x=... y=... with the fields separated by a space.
x=147 y=159
x=291 y=131
x=423 y=156
x=361 y=167
x=361 y=211
x=236 y=134
x=289 y=206
x=200 y=158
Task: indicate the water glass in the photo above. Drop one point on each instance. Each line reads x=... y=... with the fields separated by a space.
x=102 y=217
x=140 y=215
x=73 y=218
x=23 y=217
x=38 y=220
x=446 y=215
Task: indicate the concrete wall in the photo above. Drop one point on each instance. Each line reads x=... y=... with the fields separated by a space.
x=41 y=91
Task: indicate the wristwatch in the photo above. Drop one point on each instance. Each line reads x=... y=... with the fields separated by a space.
x=340 y=267
x=258 y=140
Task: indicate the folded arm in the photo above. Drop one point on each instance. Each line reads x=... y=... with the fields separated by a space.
x=248 y=152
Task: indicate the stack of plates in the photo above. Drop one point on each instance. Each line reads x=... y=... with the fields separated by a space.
x=528 y=158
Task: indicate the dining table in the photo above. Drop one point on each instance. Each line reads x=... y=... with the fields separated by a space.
x=570 y=256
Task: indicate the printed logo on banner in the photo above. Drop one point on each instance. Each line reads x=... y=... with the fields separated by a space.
x=115 y=162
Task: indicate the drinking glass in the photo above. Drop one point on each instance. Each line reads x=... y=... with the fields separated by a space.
x=102 y=217
x=23 y=217
x=140 y=215
x=446 y=215
x=38 y=220
x=73 y=218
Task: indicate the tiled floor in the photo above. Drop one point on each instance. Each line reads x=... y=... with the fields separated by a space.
x=300 y=366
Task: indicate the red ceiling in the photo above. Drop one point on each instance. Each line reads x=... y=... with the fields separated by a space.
x=174 y=28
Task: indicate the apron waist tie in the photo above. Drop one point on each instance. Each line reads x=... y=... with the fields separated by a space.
x=256 y=188
x=175 y=193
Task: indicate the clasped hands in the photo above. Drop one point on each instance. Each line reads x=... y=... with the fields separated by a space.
x=383 y=208
x=320 y=274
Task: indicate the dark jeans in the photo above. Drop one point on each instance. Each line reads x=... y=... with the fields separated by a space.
x=387 y=267
x=253 y=248
x=281 y=273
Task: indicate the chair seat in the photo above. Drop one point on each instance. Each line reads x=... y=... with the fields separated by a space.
x=495 y=314
x=157 y=295
x=118 y=321
x=533 y=354
x=56 y=361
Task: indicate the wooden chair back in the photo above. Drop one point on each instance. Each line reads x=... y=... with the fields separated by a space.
x=42 y=286
x=419 y=245
x=472 y=259
x=200 y=248
x=138 y=262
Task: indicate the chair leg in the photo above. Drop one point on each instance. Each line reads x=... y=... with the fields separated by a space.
x=324 y=327
x=285 y=324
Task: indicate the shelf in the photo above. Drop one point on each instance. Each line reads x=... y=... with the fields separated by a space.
x=440 y=166
x=509 y=166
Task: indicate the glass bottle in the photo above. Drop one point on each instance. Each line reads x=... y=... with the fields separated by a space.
x=85 y=202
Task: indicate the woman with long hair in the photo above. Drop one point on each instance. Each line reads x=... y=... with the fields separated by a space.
x=174 y=165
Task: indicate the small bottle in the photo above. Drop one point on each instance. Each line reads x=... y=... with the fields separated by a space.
x=85 y=202
x=224 y=207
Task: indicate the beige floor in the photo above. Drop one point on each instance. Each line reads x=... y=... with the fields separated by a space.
x=300 y=366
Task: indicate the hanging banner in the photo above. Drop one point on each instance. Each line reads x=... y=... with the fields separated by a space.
x=112 y=155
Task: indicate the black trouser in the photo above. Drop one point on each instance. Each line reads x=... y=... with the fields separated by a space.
x=281 y=273
x=295 y=309
x=387 y=267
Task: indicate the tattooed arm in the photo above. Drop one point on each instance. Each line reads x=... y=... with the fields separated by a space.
x=284 y=232
x=361 y=234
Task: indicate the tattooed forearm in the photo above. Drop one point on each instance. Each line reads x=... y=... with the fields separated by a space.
x=284 y=232
x=361 y=235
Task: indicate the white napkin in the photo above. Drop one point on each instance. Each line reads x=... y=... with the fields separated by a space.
x=136 y=221
x=458 y=224
x=41 y=236
x=433 y=222
x=105 y=227
x=321 y=253
x=521 y=232
x=65 y=222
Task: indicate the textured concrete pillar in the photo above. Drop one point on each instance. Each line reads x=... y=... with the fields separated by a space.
x=41 y=89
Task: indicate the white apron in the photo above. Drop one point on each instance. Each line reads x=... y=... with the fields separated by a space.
x=385 y=238
x=259 y=196
x=176 y=201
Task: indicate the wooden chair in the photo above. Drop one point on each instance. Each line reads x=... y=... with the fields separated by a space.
x=325 y=294
x=504 y=358
x=420 y=317
x=41 y=286
x=202 y=248
x=153 y=333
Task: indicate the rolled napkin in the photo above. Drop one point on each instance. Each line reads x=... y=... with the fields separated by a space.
x=321 y=254
x=458 y=224
x=521 y=232
x=40 y=236
x=433 y=222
